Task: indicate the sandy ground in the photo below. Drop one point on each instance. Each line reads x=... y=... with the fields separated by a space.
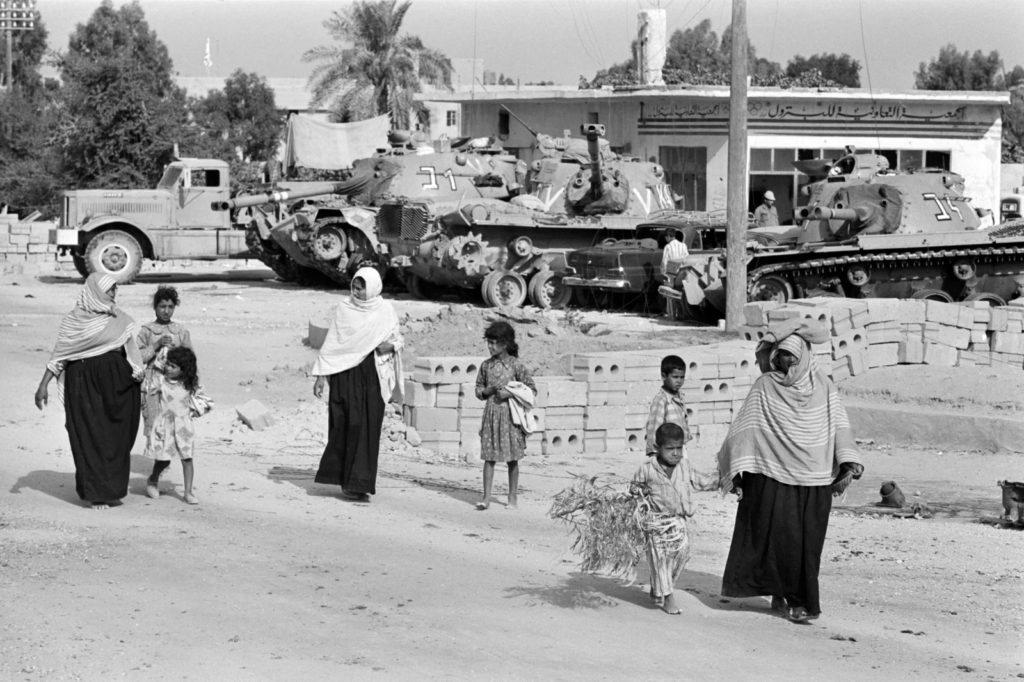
x=272 y=577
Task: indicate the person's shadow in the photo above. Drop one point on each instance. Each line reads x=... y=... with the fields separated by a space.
x=587 y=591
x=61 y=484
x=304 y=478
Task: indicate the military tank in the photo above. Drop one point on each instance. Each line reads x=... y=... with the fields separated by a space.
x=577 y=193
x=332 y=232
x=869 y=231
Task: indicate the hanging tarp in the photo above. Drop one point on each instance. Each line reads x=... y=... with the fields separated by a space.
x=313 y=143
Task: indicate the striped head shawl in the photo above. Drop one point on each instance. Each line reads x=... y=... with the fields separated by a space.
x=792 y=426
x=95 y=326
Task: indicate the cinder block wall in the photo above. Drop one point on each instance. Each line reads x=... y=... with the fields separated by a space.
x=602 y=406
x=28 y=241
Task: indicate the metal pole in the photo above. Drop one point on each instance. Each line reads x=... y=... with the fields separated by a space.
x=9 y=82
x=736 y=191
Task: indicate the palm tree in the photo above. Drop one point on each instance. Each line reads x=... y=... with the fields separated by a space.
x=369 y=54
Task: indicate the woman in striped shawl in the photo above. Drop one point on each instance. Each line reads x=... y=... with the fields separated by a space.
x=789 y=449
x=97 y=365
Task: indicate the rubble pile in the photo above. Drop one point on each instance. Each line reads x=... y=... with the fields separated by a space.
x=601 y=406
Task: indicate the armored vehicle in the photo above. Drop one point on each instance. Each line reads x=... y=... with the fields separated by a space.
x=334 y=235
x=577 y=194
x=868 y=231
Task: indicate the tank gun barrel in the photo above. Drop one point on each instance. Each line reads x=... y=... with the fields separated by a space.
x=521 y=121
x=859 y=214
x=345 y=188
x=594 y=132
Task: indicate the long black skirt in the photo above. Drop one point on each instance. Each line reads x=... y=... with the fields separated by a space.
x=355 y=417
x=102 y=403
x=777 y=542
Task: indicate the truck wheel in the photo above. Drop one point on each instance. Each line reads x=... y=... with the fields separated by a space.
x=547 y=290
x=80 y=264
x=114 y=253
x=504 y=289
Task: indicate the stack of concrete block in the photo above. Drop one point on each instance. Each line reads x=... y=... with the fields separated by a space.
x=871 y=333
x=26 y=240
x=602 y=406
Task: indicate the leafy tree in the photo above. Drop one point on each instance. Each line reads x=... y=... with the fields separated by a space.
x=29 y=164
x=120 y=109
x=243 y=114
x=953 y=70
x=841 y=68
x=370 y=53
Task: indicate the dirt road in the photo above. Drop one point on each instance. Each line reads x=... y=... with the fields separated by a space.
x=272 y=577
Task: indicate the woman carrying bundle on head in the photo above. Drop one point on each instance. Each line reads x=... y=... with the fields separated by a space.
x=789 y=449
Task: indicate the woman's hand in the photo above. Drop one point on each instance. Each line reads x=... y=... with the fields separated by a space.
x=318 y=387
x=502 y=393
x=386 y=348
x=165 y=341
x=42 y=395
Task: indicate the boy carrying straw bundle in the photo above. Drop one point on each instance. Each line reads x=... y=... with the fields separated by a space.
x=615 y=529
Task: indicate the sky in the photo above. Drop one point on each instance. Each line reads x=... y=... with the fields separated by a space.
x=559 y=40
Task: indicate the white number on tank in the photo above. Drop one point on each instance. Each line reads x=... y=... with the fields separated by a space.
x=431 y=174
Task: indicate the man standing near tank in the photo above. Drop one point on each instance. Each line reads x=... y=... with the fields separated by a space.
x=766 y=215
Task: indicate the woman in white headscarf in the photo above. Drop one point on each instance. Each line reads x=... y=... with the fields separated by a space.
x=789 y=450
x=361 y=364
x=98 y=367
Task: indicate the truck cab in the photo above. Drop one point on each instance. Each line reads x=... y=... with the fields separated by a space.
x=111 y=231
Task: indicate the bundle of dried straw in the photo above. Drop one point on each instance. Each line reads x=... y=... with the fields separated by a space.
x=613 y=527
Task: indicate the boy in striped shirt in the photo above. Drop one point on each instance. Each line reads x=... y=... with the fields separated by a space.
x=668 y=406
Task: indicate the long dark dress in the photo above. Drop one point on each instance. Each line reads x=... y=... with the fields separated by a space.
x=777 y=542
x=102 y=404
x=355 y=416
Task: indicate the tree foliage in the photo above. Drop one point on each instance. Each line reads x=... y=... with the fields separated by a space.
x=370 y=53
x=841 y=68
x=954 y=70
x=243 y=115
x=120 y=109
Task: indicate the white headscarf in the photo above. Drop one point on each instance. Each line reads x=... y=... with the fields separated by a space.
x=358 y=328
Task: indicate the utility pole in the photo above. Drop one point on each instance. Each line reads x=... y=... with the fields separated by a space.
x=736 y=192
x=15 y=15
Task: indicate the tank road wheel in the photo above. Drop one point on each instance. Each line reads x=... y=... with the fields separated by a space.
x=964 y=269
x=115 y=253
x=858 y=275
x=933 y=295
x=328 y=243
x=504 y=289
x=993 y=300
x=80 y=264
x=420 y=288
x=771 y=288
x=547 y=290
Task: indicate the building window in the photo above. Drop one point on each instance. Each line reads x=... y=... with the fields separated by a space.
x=686 y=170
x=503 y=124
x=451 y=118
x=592 y=117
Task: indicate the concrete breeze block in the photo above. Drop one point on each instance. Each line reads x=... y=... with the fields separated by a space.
x=255 y=415
x=949 y=336
x=433 y=419
x=565 y=393
x=911 y=351
x=419 y=395
x=607 y=417
x=608 y=393
x=635 y=439
x=562 y=418
x=598 y=368
x=560 y=443
x=940 y=355
x=910 y=311
x=448 y=395
x=941 y=312
x=882 y=310
x=883 y=354
x=844 y=344
x=445 y=370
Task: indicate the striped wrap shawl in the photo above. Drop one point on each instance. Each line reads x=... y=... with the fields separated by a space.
x=792 y=426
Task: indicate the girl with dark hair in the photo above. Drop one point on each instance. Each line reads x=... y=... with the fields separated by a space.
x=178 y=399
x=502 y=379
x=155 y=339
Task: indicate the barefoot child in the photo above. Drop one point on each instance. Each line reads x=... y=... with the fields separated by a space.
x=178 y=399
x=501 y=440
x=155 y=339
x=666 y=480
x=668 y=406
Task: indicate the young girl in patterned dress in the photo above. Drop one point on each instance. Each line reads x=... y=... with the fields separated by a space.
x=501 y=440
x=155 y=339
x=178 y=399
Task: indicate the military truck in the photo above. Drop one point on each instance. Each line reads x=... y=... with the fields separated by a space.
x=111 y=231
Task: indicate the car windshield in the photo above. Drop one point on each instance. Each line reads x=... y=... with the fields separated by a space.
x=170 y=178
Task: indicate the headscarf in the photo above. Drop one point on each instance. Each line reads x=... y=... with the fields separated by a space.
x=94 y=326
x=792 y=426
x=357 y=329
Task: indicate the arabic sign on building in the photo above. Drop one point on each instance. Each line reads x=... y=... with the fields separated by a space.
x=823 y=117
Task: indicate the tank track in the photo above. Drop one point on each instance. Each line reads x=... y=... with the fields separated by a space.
x=283 y=266
x=934 y=265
